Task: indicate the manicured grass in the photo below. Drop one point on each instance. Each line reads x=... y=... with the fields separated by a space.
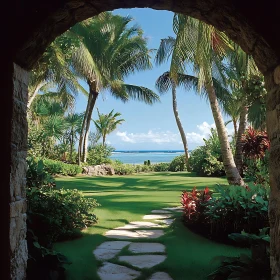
x=128 y=198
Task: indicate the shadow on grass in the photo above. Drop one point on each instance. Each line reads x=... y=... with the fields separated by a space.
x=129 y=198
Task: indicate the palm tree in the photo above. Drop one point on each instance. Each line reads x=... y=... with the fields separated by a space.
x=109 y=52
x=165 y=83
x=241 y=69
x=53 y=69
x=204 y=47
x=74 y=125
x=107 y=123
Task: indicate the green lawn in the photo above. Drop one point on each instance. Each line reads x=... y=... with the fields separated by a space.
x=128 y=198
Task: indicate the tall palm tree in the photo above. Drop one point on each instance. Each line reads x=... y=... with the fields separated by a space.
x=74 y=125
x=109 y=52
x=241 y=69
x=204 y=47
x=53 y=69
x=165 y=83
x=107 y=123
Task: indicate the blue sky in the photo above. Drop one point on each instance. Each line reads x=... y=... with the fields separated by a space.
x=153 y=127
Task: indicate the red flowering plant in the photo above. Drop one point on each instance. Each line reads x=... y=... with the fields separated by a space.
x=193 y=203
x=255 y=143
x=256 y=153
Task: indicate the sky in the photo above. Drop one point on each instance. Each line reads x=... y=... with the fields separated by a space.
x=153 y=127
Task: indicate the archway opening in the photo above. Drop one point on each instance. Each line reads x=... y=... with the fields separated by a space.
x=264 y=56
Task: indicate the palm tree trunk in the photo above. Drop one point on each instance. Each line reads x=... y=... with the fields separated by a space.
x=239 y=145
x=81 y=140
x=71 y=143
x=235 y=127
x=232 y=173
x=32 y=97
x=103 y=140
x=85 y=145
x=178 y=121
x=94 y=95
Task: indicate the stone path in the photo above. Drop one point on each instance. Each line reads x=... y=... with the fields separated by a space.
x=141 y=254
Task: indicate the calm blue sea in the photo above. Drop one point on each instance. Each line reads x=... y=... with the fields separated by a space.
x=138 y=157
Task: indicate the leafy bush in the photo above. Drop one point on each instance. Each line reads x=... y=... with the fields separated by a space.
x=236 y=208
x=59 y=214
x=99 y=154
x=127 y=169
x=203 y=163
x=161 y=167
x=43 y=263
x=178 y=164
x=207 y=160
x=123 y=169
x=37 y=175
x=256 y=170
x=143 y=168
x=58 y=167
x=256 y=266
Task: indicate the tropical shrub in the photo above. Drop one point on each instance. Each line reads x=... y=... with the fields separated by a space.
x=178 y=164
x=43 y=263
x=238 y=208
x=58 y=167
x=207 y=160
x=38 y=144
x=161 y=167
x=143 y=168
x=37 y=175
x=147 y=162
x=255 y=143
x=123 y=169
x=127 y=169
x=204 y=163
x=256 y=170
x=254 y=266
x=233 y=209
x=99 y=154
x=59 y=214
x=194 y=204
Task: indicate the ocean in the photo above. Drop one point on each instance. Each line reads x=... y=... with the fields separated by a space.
x=138 y=157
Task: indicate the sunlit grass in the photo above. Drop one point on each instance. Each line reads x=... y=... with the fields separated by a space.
x=128 y=198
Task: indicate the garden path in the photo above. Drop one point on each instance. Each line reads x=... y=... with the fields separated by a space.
x=135 y=256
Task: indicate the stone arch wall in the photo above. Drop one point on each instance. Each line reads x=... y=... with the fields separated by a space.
x=39 y=22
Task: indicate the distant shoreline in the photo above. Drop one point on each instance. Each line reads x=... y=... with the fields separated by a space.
x=140 y=156
x=149 y=151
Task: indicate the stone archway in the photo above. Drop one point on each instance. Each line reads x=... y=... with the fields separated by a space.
x=39 y=22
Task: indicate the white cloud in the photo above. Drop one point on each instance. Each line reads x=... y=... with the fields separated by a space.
x=205 y=128
x=195 y=138
x=124 y=137
x=159 y=137
x=150 y=137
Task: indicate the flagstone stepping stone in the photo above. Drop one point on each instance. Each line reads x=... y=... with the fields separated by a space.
x=146 y=248
x=135 y=225
x=109 y=250
x=160 y=212
x=143 y=261
x=150 y=233
x=110 y=271
x=127 y=234
x=177 y=209
x=166 y=221
x=153 y=217
x=160 y=276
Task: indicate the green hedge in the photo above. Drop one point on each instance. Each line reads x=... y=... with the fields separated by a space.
x=58 y=167
x=59 y=214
